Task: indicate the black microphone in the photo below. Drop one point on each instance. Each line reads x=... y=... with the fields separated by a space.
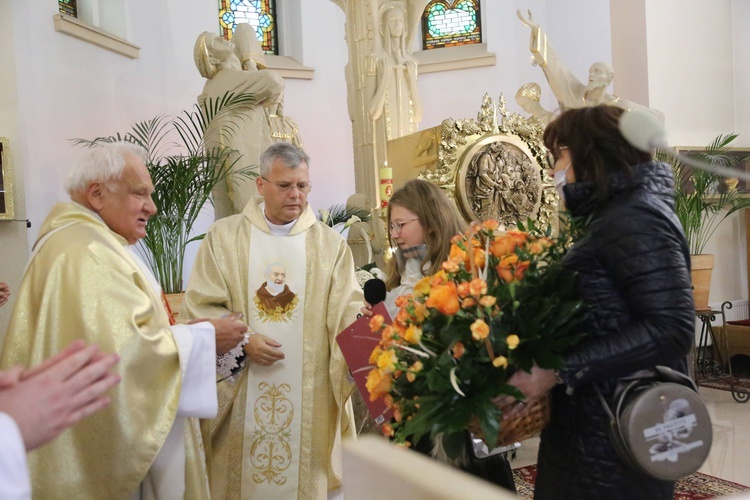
x=374 y=291
x=645 y=132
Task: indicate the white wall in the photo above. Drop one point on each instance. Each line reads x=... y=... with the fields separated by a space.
x=67 y=88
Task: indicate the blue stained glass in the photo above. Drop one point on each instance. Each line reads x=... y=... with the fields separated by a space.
x=445 y=24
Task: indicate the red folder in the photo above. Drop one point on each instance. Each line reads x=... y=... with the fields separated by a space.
x=357 y=343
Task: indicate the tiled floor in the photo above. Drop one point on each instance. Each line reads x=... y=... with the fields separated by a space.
x=730 y=453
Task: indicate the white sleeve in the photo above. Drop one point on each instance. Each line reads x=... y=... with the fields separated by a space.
x=412 y=274
x=14 y=473
x=197 y=347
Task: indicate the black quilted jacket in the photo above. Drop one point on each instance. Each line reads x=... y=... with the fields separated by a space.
x=633 y=270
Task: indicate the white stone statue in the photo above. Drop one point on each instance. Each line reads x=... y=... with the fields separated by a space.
x=244 y=130
x=396 y=99
x=528 y=97
x=569 y=90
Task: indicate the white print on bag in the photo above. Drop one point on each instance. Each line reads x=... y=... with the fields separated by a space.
x=678 y=424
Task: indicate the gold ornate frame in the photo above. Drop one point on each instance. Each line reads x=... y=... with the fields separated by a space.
x=7 y=208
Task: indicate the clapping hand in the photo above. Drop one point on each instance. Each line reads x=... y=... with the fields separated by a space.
x=58 y=393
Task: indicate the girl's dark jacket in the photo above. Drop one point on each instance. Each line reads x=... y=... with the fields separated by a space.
x=633 y=271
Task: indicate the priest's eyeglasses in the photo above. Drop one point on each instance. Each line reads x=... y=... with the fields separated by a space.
x=397 y=225
x=286 y=187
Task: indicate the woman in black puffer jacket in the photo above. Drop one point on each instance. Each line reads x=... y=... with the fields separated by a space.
x=633 y=271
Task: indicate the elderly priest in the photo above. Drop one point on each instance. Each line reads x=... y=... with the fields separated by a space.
x=85 y=281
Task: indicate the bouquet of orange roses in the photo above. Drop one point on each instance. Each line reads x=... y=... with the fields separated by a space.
x=502 y=302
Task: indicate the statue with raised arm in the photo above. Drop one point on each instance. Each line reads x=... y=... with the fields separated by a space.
x=569 y=90
x=235 y=67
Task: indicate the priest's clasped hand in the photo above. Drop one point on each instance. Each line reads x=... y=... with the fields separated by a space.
x=229 y=331
x=263 y=350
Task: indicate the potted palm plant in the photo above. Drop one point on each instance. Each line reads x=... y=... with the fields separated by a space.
x=702 y=201
x=184 y=171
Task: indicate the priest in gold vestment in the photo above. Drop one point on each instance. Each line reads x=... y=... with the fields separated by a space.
x=84 y=281
x=282 y=418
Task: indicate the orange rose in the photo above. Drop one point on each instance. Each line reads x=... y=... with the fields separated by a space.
x=535 y=247
x=413 y=334
x=521 y=268
x=477 y=287
x=402 y=300
x=376 y=322
x=518 y=237
x=487 y=301
x=444 y=298
x=480 y=258
x=458 y=350
x=378 y=384
x=459 y=255
x=450 y=266
x=387 y=335
x=506 y=266
x=479 y=330
x=501 y=246
x=468 y=302
x=491 y=224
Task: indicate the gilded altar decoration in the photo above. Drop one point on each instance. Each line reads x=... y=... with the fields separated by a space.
x=502 y=302
x=271 y=452
x=494 y=167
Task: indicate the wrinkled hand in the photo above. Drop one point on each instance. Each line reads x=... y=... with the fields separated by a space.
x=59 y=393
x=366 y=310
x=263 y=350
x=4 y=293
x=229 y=333
x=533 y=385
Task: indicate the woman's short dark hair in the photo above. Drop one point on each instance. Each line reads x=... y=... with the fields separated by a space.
x=596 y=146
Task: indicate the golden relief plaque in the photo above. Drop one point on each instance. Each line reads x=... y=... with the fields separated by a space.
x=490 y=170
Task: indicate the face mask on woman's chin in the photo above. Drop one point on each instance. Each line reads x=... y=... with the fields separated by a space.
x=561 y=181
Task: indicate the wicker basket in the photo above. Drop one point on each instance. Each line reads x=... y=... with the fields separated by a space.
x=525 y=425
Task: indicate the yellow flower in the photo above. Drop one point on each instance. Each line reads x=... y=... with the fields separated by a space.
x=376 y=322
x=378 y=384
x=487 y=301
x=422 y=288
x=411 y=374
x=375 y=355
x=479 y=330
x=500 y=362
x=387 y=361
x=512 y=340
x=413 y=334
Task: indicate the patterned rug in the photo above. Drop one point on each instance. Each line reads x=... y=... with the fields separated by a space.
x=741 y=382
x=695 y=487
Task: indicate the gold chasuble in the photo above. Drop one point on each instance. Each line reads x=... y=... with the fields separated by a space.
x=279 y=428
x=83 y=283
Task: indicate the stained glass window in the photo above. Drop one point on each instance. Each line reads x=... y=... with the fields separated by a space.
x=446 y=23
x=258 y=13
x=68 y=7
